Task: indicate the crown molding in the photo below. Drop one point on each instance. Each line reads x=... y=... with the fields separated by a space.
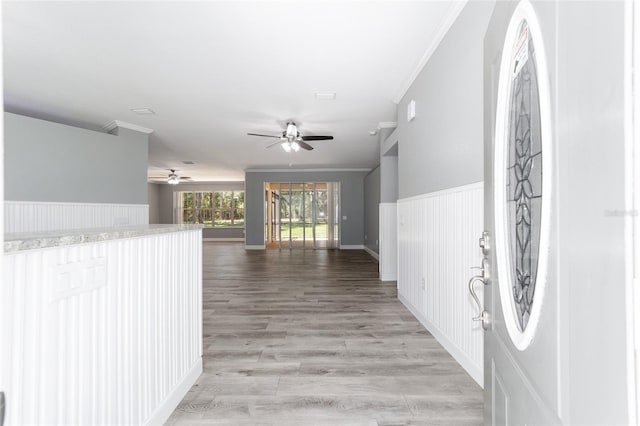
x=446 y=23
x=305 y=170
x=387 y=125
x=110 y=127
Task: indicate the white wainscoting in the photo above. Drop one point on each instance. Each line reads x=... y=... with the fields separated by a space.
x=32 y=216
x=104 y=333
x=388 y=241
x=437 y=247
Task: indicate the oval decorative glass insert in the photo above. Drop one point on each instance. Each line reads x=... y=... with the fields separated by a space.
x=524 y=171
x=522 y=175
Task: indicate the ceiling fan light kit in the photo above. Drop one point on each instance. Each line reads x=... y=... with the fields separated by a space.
x=173 y=178
x=290 y=146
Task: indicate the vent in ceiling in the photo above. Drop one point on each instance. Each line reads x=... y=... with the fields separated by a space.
x=143 y=111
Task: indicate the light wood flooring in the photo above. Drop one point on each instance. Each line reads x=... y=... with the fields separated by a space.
x=297 y=337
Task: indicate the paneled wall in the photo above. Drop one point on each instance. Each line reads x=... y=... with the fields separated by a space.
x=33 y=216
x=388 y=241
x=104 y=333
x=437 y=247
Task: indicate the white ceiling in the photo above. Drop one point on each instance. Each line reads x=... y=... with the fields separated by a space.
x=213 y=71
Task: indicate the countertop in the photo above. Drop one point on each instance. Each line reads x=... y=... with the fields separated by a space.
x=40 y=240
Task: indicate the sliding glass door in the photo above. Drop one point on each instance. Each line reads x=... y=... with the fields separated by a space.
x=302 y=214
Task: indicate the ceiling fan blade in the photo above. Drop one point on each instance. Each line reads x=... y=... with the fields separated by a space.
x=317 y=138
x=305 y=145
x=264 y=136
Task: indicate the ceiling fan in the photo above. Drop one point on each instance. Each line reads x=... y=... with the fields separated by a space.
x=292 y=140
x=172 y=178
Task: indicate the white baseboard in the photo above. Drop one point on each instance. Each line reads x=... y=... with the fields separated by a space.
x=168 y=406
x=388 y=277
x=254 y=247
x=223 y=239
x=373 y=254
x=467 y=363
x=352 y=247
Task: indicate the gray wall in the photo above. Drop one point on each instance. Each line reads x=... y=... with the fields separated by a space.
x=388 y=166
x=165 y=204
x=372 y=209
x=153 y=199
x=46 y=161
x=442 y=147
x=351 y=199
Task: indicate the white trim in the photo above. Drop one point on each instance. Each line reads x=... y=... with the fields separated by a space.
x=73 y=203
x=388 y=238
x=447 y=21
x=388 y=277
x=632 y=204
x=254 y=247
x=220 y=183
x=474 y=370
x=223 y=239
x=373 y=254
x=521 y=339
x=6 y=319
x=455 y=189
x=305 y=170
x=387 y=125
x=168 y=406
x=265 y=214
x=352 y=247
x=110 y=127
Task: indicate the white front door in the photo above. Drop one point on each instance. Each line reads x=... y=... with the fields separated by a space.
x=521 y=372
x=558 y=343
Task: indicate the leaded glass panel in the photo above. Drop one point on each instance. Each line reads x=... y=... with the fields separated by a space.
x=524 y=176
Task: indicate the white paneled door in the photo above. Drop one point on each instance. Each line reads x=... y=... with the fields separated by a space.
x=521 y=349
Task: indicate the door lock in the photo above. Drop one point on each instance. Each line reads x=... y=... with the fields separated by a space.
x=484 y=243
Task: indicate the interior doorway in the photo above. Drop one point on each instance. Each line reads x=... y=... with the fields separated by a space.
x=302 y=215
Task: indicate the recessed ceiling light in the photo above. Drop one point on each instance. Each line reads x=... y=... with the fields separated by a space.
x=326 y=96
x=143 y=111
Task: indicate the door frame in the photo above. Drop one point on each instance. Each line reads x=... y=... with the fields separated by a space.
x=333 y=190
x=632 y=208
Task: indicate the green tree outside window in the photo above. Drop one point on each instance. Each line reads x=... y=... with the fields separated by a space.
x=213 y=209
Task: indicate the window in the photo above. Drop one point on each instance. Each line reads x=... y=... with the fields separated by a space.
x=211 y=209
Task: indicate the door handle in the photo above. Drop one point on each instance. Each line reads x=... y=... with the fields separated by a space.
x=484 y=315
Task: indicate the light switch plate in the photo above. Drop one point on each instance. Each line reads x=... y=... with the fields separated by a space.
x=411 y=110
